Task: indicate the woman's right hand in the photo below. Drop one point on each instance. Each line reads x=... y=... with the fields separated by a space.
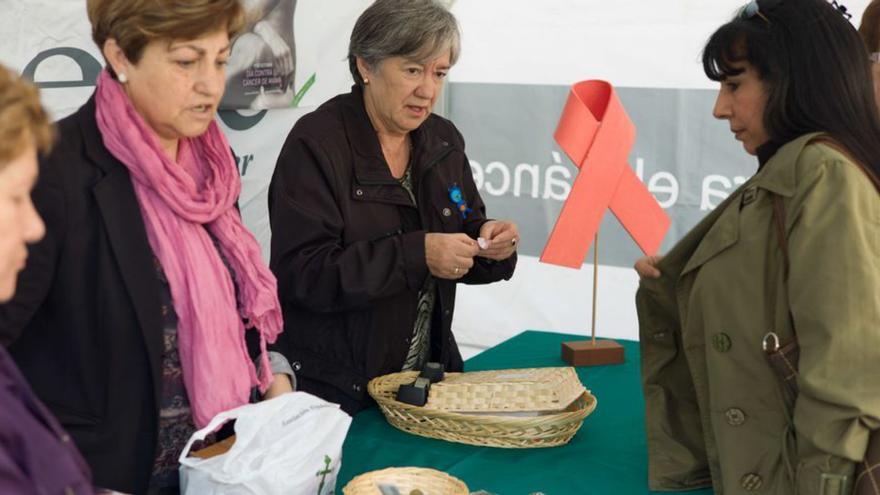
x=450 y=256
x=647 y=267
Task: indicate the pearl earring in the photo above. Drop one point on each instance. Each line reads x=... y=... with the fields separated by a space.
x=366 y=81
x=123 y=78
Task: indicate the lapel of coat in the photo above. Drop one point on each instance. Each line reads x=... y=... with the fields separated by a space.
x=368 y=162
x=124 y=223
x=719 y=235
x=716 y=232
x=689 y=252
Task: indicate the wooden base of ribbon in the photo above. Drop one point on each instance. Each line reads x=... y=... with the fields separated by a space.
x=593 y=352
x=587 y=353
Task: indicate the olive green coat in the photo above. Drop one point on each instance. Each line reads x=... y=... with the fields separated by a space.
x=715 y=411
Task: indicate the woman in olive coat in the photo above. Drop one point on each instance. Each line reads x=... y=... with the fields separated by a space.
x=791 y=257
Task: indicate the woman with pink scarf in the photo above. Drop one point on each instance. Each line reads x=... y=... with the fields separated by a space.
x=146 y=309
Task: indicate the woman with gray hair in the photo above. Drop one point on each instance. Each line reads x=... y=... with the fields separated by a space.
x=375 y=215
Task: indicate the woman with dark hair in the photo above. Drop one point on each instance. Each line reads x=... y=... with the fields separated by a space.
x=760 y=345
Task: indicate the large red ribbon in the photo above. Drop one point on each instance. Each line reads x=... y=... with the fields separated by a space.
x=597 y=134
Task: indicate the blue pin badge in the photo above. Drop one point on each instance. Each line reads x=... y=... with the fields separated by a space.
x=457 y=197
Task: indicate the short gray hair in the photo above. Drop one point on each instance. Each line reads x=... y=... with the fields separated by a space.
x=417 y=29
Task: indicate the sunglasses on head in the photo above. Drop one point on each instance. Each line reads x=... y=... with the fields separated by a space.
x=752 y=9
x=842 y=9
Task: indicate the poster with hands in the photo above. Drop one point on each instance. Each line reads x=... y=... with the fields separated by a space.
x=261 y=72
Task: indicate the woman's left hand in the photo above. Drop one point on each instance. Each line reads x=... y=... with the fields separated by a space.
x=501 y=238
x=646 y=267
x=280 y=385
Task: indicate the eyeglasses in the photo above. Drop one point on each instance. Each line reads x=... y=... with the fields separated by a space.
x=752 y=10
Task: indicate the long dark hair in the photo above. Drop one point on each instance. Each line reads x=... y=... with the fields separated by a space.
x=815 y=68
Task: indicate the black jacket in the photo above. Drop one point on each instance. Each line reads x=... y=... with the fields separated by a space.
x=348 y=247
x=85 y=325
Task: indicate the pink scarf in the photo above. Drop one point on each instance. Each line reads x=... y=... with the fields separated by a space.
x=179 y=210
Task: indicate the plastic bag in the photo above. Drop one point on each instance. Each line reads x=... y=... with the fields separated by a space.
x=291 y=444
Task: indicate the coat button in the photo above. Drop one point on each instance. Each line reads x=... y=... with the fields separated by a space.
x=69 y=491
x=660 y=336
x=447 y=212
x=356 y=387
x=721 y=342
x=735 y=416
x=358 y=192
x=751 y=482
x=447 y=312
x=65 y=438
x=297 y=366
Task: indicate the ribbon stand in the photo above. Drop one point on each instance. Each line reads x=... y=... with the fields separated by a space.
x=593 y=352
x=597 y=135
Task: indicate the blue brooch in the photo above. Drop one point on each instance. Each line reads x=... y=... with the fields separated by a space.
x=457 y=197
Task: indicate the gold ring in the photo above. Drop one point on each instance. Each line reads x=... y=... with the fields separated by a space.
x=455 y=271
x=513 y=242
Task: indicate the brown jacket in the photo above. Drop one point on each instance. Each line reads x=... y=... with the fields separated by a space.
x=348 y=247
x=716 y=412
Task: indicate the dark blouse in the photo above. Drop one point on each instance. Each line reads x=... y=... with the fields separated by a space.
x=176 y=425
x=175 y=416
x=420 y=343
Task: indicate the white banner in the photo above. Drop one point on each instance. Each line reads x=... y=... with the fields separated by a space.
x=631 y=43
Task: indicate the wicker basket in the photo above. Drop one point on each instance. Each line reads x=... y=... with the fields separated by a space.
x=529 y=408
x=427 y=481
x=527 y=390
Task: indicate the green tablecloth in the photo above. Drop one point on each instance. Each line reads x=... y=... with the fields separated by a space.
x=607 y=456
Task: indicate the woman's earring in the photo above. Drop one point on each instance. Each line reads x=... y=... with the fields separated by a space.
x=366 y=81
x=123 y=78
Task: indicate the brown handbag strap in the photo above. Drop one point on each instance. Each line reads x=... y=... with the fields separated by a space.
x=784 y=358
x=781 y=235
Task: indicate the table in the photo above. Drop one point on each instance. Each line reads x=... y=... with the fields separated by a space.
x=607 y=456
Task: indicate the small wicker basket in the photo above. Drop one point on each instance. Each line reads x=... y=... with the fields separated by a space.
x=427 y=481
x=527 y=408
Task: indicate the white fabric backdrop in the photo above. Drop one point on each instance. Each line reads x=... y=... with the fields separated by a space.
x=632 y=43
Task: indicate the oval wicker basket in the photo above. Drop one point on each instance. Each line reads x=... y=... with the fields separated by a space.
x=427 y=481
x=501 y=429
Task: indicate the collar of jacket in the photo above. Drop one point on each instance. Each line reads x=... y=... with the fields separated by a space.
x=369 y=164
x=778 y=174
x=117 y=202
x=94 y=143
